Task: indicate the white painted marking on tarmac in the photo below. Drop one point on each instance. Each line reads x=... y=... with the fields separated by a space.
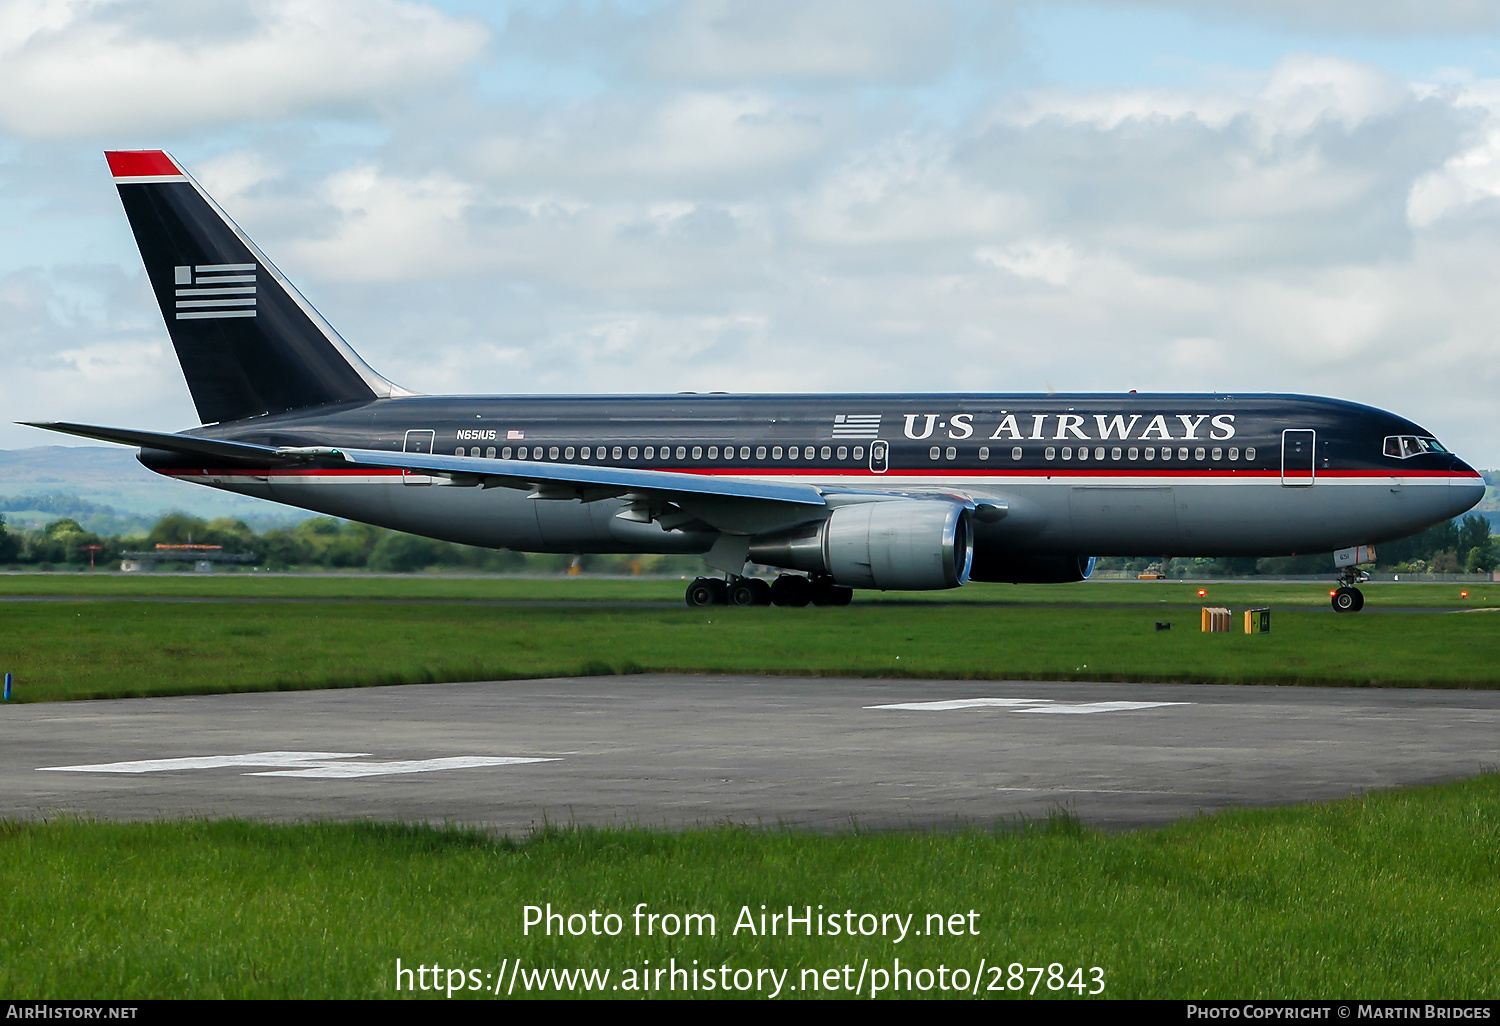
x=256 y=759
x=380 y=769
x=322 y=765
x=1097 y=707
x=1026 y=705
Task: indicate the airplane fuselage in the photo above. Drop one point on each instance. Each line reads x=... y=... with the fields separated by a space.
x=1177 y=474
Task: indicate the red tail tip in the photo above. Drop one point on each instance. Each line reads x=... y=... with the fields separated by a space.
x=140 y=163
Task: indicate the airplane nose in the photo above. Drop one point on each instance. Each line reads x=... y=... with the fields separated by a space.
x=1464 y=492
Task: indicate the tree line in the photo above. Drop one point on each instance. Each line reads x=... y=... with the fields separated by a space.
x=1455 y=546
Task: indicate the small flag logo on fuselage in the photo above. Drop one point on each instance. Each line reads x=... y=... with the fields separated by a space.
x=214 y=290
x=856 y=425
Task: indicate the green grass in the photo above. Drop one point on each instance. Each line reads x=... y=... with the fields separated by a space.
x=1311 y=594
x=88 y=648
x=1387 y=895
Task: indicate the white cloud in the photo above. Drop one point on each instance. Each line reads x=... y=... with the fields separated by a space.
x=72 y=68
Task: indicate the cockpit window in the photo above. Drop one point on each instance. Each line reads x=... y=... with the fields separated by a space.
x=1404 y=446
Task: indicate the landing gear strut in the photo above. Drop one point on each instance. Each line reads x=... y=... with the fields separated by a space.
x=1347 y=598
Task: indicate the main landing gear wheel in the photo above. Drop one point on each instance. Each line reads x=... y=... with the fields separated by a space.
x=749 y=591
x=1348 y=600
x=706 y=591
x=826 y=593
x=791 y=590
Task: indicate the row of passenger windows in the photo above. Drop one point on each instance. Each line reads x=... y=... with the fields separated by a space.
x=666 y=452
x=1115 y=452
x=827 y=452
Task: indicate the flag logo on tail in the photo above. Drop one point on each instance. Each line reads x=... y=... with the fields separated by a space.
x=856 y=425
x=215 y=290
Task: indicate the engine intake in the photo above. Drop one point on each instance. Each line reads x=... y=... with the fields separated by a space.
x=896 y=545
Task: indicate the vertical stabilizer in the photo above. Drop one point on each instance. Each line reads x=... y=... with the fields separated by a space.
x=248 y=342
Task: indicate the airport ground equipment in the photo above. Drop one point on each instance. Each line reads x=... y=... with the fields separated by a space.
x=1258 y=621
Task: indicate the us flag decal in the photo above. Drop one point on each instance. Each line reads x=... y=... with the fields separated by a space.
x=856 y=425
x=215 y=290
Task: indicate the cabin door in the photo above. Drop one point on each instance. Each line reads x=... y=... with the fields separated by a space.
x=418 y=442
x=880 y=455
x=1298 y=457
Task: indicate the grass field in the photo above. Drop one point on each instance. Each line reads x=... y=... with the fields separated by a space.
x=416 y=587
x=1385 y=895
x=355 y=631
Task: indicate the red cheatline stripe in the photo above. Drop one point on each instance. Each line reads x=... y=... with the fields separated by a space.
x=140 y=163
x=1036 y=472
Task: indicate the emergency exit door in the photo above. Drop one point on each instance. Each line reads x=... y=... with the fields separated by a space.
x=1298 y=457
x=880 y=455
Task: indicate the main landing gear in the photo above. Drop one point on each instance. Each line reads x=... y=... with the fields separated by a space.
x=787 y=590
x=1347 y=598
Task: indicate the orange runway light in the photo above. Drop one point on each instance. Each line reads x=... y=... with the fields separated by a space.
x=1463 y=594
x=1332 y=592
x=1201 y=592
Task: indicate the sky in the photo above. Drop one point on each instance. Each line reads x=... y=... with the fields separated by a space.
x=780 y=195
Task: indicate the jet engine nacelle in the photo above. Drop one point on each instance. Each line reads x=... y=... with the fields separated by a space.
x=1020 y=568
x=897 y=545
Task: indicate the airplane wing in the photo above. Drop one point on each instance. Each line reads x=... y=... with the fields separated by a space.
x=673 y=499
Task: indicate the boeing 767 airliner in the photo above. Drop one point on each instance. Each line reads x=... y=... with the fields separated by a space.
x=894 y=492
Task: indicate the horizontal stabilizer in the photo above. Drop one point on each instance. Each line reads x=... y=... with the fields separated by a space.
x=190 y=445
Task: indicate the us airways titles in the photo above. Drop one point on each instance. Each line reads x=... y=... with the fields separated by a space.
x=1062 y=426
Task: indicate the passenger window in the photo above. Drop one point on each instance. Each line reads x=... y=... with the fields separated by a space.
x=1198 y=453
x=984 y=452
x=713 y=452
x=1134 y=453
x=760 y=452
x=616 y=453
x=682 y=452
x=489 y=453
x=552 y=453
x=952 y=452
x=1250 y=453
x=1150 y=452
x=1182 y=454
x=1083 y=452
x=1051 y=452
x=1234 y=453
x=934 y=452
x=1218 y=453
x=1015 y=453
x=1067 y=452
x=1166 y=453
x=459 y=451
x=697 y=452
x=633 y=453
x=1114 y=453
x=776 y=453
x=536 y=452
x=650 y=452
x=826 y=453
x=791 y=452
x=843 y=452
x=505 y=453
x=859 y=452
x=666 y=452
x=1099 y=453
x=521 y=453
x=807 y=453
x=745 y=452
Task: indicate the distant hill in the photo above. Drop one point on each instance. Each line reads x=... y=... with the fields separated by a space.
x=106 y=490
